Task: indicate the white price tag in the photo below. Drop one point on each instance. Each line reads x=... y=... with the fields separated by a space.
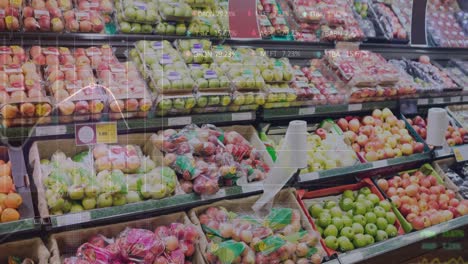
x=179 y=121
x=71 y=219
x=442 y=152
x=438 y=100
x=353 y=257
x=423 y=101
x=221 y=193
x=50 y=130
x=461 y=153
x=354 y=107
x=455 y=99
x=380 y=164
x=241 y=116
x=465 y=98
x=307 y=111
x=310 y=176
x=252 y=187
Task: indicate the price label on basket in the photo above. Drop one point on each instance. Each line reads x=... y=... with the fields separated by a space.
x=461 y=153
x=220 y=194
x=71 y=219
x=307 y=111
x=380 y=164
x=354 y=107
x=179 y=121
x=241 y=116
x=90 y=134
x=310 y=176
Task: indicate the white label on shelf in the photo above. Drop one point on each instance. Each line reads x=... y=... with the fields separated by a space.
x=179 y=121
x=455 y=99
x=465 y=98
x=307 y=111
x=39 y=13
x=423 y=101
x=461 y=153
x=252 y=187
x=71 y=219
x=380 y=164
x=439 y=100
x=353 y=257
x=241 y=116
x=50 y=130
x=354 y=107
x=442 y=152
x=219 y=194
x=310 y=176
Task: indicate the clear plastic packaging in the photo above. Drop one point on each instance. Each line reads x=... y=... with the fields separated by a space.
x=175 y=11
x=246 y=78
x=39 y=17
x=307 y=14
x=266 y=28
x=390 y=24
x=280 y=24
x=10 y=16
x=404 y=11
x=443 y=26
x=205 y=24
x=173 y=105
x=195 y=50
x=212 y=102
x=139 y=11
x=84 y=21
x=268 y=7
x=246 y=101
x=279 y=97
x=209 y=78
x=171 y=28
x=101 y=6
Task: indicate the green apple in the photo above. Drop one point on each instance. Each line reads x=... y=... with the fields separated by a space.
x=315 y=210
x=331 y=242
x=357 y=228
x=213 y=100
x=381 y=236
x=268 y=75
x=187 y=83
x=360 y=208
x=360 y=240
x=158 y=191
x=324 y=219
x=379 y=211
x=381 y=223
x=370 y=239
x=345 y=244
x=168 y=10
x=225 y=100
x=125 y=27
x=336 y=212
x=350 y=213
x=133 y=197
x=140 y=15
x=224 y=82
x=331 y=230
x=260 y=99
x=76 y=208
x=161 y=29
x=135 y=28
x=385 y=205
x=360 y=197
x=146 y=29
x=365 y=191
x=391 y=231
x=349 y=194
x=76 y=192
x=91 y=191
x=202 y=101
x=178 y=103
x=181 y=29
x=202 y=83
x=177 y=84
x=360 y=219
x=369 y=205
x=104 y=200
x=249 y=99
x=130 y=13
x=165 y=104
x=373 y=198
x=170 y=29
x=371 y=218
x=119 y=199
x=240 y=100
x=347 y=221
x=67 y=205
x=190 y=103
x=89 y=203
x=391 y=217
x=338 y=222
x=347 y=232
x=371 y=229
x=329 y=204
x=213 y=83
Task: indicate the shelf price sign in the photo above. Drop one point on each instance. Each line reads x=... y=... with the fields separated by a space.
x=90 y=134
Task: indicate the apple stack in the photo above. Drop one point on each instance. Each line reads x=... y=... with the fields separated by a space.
x=454 y=135
x=21 y=93
x=303 y=31
x=137 y=16
x=380 y=136
x=128 y=94
x=367 y=75
x=39 y=15
x=89 y=21
x=10 y=15
x=355 y=218
x=174 y=17
x=305 y=92
x=422 y=198
x=206 y=23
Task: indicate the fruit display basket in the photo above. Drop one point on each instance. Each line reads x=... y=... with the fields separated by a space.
x=153 y=234
x=453 y=176
x=14 y=252
x=371 y=208
x=459 y=114
x=289 y=219
x=71 y=178
x=422 y=197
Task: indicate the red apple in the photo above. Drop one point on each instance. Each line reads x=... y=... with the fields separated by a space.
x=343 y=124
x=321 y=133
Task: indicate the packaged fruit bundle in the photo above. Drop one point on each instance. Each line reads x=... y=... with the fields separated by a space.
x=280 y=24
x=266 y=28
x=104 y=176
x=209 y=78
x=96 y=55
x=170 y=105
x=279 y=96
x=443 y=26
x=172 y=81
x=205 y=24
x=404 y=11
x=51 y=56
x=101 y=6
x=422 y=198
x=339 y=22
x=301 y=86
x=212 y=102
x=283 y=236
x=379 y=136
x=406 y=85
x=246 y=77
x=84 y=21
x=268 y=7
x=195 y=50
x=10 y=15
x=175 y=10
x=209 y=156
x=454 y=135
x=407 y=75
x=307 y=14
x=455 y=73
x=39 y=16
x=350 y=216
x=142 y=11
x=370 y=94
x=426 y=71
x=361 y=67
x=390 y=24
x=246 y=101
x=158 y=53
x=87 y=104
x=171 y=28
x=455 y=176
x=15 y=253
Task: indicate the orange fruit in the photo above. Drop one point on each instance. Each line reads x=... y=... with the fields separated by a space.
x=2 y=162
x=13 y=200
x=5 y=169
x=6 y=184
x=9 y=214
x=3 y=196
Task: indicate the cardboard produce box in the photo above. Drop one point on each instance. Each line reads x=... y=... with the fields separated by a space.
x=65 y=244
x=284 y=199
x=31 y=248
x=45 y=148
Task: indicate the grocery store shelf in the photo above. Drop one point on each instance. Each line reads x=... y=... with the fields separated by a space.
x=383 y=247
x=150 y=207
x=18 y=227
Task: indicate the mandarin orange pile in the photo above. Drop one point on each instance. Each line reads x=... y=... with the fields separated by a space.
x=9 y=199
